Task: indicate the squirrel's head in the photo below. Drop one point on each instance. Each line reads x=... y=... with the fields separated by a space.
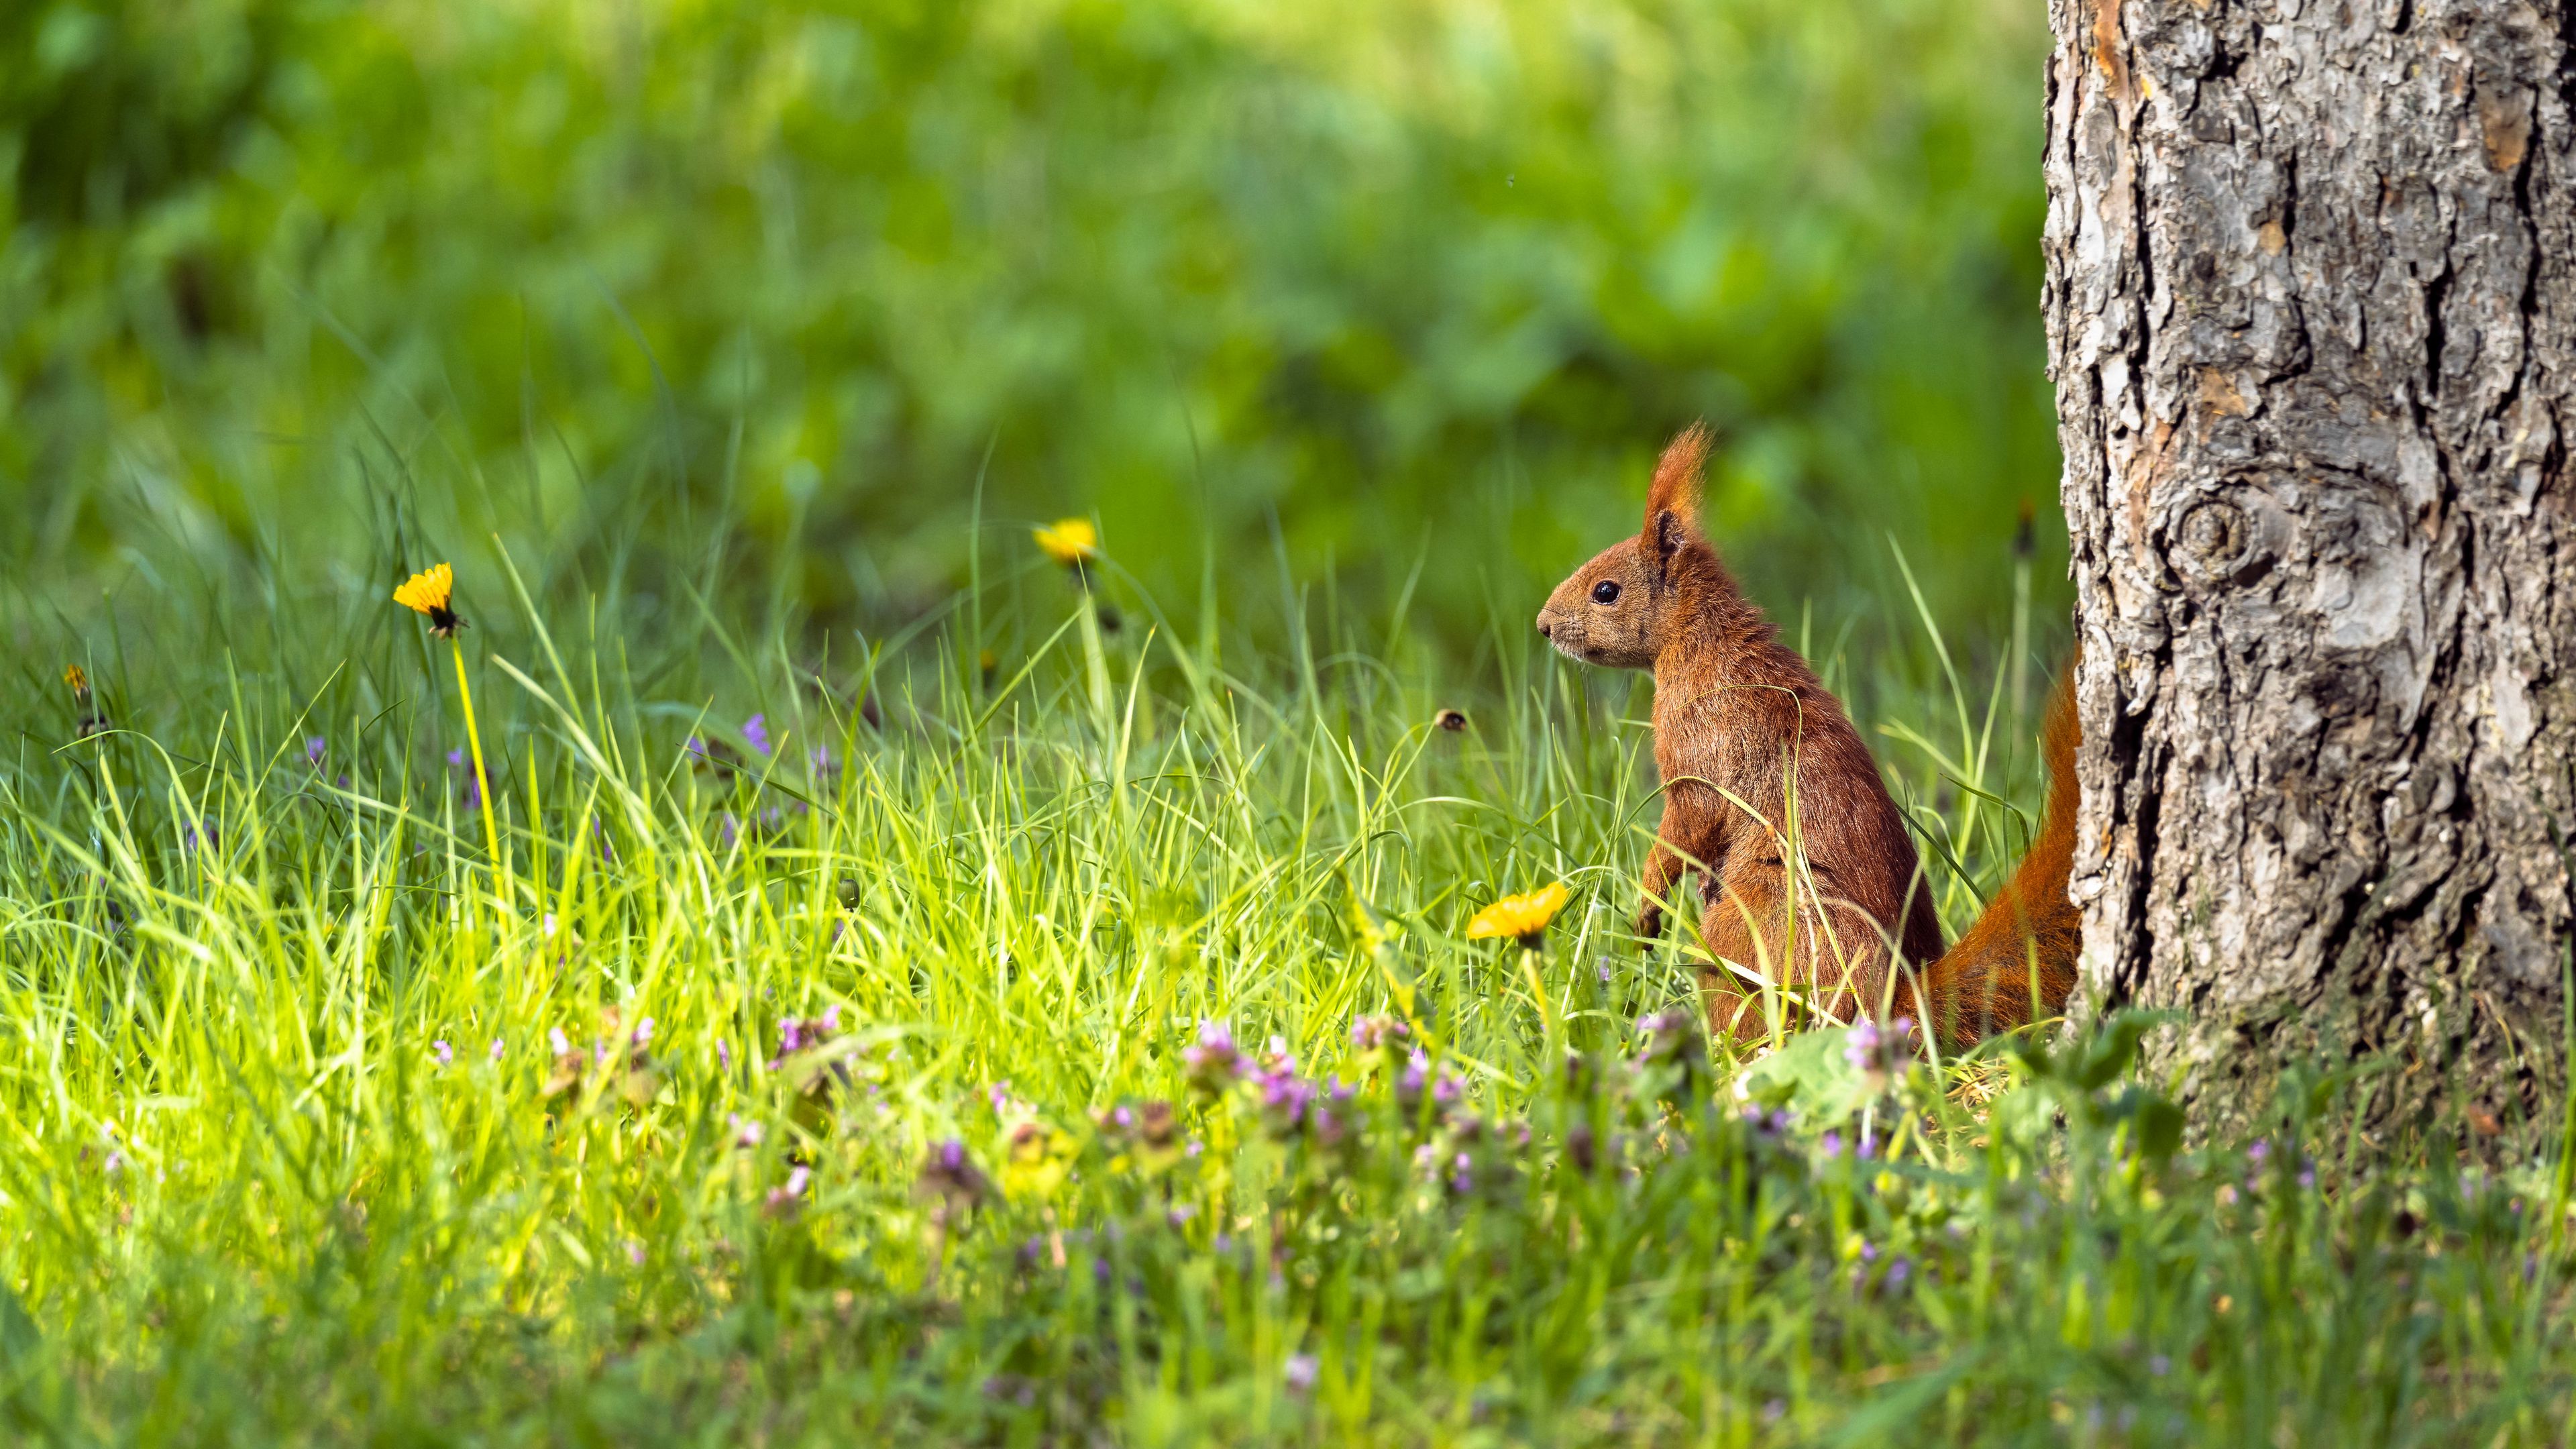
x=1616 y=611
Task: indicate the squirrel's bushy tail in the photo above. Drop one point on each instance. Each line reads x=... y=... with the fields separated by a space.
x=2017 y=963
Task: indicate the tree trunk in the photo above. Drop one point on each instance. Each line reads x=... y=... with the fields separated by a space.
x=2314 y=339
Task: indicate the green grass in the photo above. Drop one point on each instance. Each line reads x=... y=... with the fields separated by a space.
x=1353 y=325
x=246 y=1202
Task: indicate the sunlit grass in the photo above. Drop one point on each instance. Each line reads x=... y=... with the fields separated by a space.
x=1040 y=1058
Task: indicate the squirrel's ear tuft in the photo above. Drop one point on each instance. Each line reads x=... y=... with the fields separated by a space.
x=1665 y=535
x=1676 y=489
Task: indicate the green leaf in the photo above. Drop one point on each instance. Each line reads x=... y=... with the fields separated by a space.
x=2111 y=1051
x=2159 y=1128
x=1809 y=1076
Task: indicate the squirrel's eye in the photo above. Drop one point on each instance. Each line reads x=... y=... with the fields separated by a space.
x=1606 y=592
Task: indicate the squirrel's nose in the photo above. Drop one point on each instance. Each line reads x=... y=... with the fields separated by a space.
x=1544 y=631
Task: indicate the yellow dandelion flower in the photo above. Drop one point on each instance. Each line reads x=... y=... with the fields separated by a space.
x=1072 y=542
x=93 y=721
x=430 y=592
x=1522 y=918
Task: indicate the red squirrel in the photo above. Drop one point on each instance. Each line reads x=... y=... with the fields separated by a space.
x=1736 y=711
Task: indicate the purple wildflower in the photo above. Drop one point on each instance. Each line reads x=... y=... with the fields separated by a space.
x=2258 y=1153
x=745 y=1133
x=724 y=1055
x=315 y=749
x=1213 y=1064
x=1331 y=1118
x=1214 y=1041
x=782 y=1199
x=1581 y=1148
x=1878 y=1053
x=1285 y=1097
x=1300 y=1372
x=1420 y=1078
x=1370 y=1033
x=1833 y=1144
x=496 y=1048
x=755 y=732
x=950 y=1182
x=445 y=1054
x=635 y=1252
x=1668 y=1039
x=1860 y=1044
x=469 y=792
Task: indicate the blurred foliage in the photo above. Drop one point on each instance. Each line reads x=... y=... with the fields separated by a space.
x=763 y=295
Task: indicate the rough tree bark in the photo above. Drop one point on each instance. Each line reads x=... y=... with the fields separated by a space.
x=2314 y=337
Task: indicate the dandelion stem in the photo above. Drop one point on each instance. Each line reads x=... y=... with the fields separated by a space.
x=474 y=744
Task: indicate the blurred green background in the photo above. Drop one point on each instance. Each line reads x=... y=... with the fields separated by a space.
x=762 y=293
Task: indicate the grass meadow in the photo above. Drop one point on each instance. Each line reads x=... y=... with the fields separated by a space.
x=851 y=979
x=1030 y=1031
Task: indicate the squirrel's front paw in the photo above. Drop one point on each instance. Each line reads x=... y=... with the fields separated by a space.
x=1650 y=922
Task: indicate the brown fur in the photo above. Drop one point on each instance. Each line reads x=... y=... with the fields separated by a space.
x=1739 y=721
x=1982 y=984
